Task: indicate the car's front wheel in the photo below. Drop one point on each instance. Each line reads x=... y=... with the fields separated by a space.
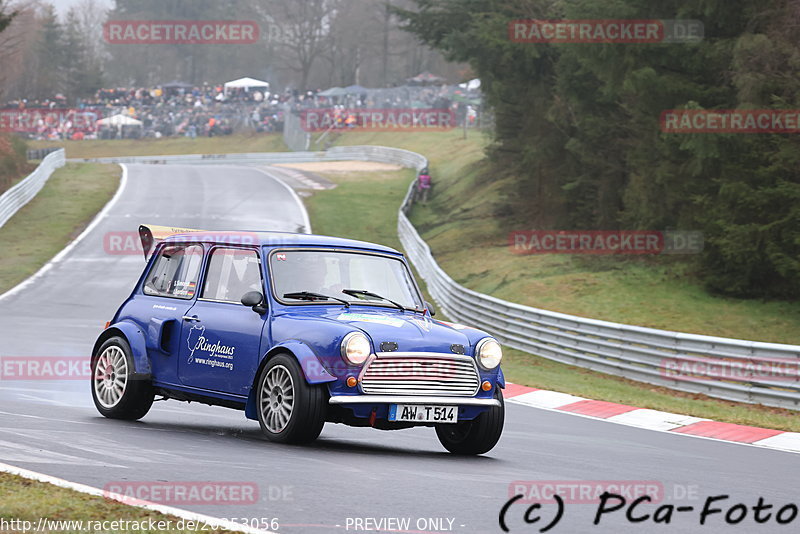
x=289 y=409
x=477 y=436
x=116 y=394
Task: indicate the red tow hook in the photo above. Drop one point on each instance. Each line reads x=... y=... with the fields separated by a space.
x=372 y=417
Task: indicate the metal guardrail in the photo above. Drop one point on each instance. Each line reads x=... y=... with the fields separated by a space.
x=40 y=153
x=256 y=158
x=23 y=192
x=643 y=354
x=343 y=153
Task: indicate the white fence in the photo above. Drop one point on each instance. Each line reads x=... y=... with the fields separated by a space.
x=732 y=369
x=22 y=193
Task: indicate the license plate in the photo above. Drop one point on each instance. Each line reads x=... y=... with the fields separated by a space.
x=422 y=413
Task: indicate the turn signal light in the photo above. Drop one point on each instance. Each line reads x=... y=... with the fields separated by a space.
x=486 y=386
x=108 y=323
x=351 y=381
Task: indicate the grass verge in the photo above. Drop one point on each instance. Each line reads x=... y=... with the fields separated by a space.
x=30 y=500
x=63 y=208
x=364 y=206
x=225 y=144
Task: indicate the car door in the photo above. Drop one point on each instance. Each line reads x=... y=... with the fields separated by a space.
x=168 y=293
x=221 y=337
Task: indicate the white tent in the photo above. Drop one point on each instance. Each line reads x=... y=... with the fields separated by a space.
x=471 y=85
x=119 y=120
x=246 y=83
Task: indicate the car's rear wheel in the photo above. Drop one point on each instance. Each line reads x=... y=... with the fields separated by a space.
x=477 y=436
x=116 y=393
x=289 y=409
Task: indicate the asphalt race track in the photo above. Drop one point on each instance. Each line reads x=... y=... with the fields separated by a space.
x=52 y=426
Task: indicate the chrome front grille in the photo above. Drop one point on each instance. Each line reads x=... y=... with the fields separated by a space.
x=420 y=373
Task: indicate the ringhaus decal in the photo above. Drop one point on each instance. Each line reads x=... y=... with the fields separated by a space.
x=210 y=354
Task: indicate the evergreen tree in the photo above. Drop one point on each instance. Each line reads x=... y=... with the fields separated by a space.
x=577 y=125
x=49 y=56
x=82 y=75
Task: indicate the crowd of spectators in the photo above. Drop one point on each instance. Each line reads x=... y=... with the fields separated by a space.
x=405 y=96
x=463 y=102
x=178 y=109
x=170 y=110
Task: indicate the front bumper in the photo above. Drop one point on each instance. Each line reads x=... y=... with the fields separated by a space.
x=408 y=399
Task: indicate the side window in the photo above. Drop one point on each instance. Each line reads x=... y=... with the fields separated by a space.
x=175 y=272
x=232 y=273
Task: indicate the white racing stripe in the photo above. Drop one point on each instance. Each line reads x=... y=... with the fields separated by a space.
x=145 y=505
x=306 y=220
x=654 y=419
x=123 y=182
x=545 y=399
x=788 y=441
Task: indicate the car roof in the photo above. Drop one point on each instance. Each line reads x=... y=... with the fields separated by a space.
x=276 y=239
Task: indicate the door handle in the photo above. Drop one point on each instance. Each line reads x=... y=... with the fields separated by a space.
x=191 y=318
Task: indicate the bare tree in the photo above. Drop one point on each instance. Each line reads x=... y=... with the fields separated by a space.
x=18 y=27
x=305 y=32
x=6 y=15
x=91 y=14
x=367 y=47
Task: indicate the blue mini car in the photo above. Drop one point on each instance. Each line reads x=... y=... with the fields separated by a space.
x=295 y=330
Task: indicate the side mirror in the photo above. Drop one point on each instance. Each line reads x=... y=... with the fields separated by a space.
x=255 y=300
x=430 y=308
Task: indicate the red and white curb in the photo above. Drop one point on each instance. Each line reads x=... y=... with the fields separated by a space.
x=653 y=419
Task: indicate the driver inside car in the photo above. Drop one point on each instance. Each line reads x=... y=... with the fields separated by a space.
x=309 y=272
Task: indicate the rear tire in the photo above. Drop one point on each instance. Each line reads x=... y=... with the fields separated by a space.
x=478 y=436
x=290 y=410
x=117 y=394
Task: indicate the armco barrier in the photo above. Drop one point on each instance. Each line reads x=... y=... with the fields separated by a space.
x=22 y=193
x=344 y=153
x=632 y=352
x=40 y=153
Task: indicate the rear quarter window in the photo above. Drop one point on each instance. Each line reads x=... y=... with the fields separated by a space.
x=175 y=272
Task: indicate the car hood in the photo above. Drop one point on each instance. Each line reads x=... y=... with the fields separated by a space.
x=412 y=332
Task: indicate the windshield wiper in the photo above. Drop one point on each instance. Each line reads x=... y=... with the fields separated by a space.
x=308 y=295
x=357 y=292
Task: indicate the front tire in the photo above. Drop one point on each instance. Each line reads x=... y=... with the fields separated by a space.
x=478 y=436
x=290 y=410
x=116 y=393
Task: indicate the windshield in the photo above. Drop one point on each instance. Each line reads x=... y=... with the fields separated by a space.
x=329 y=273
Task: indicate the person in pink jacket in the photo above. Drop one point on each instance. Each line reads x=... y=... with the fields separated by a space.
x=423 y=185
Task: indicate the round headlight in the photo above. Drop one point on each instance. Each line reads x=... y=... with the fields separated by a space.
x=489 y=353
x=355 y=348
